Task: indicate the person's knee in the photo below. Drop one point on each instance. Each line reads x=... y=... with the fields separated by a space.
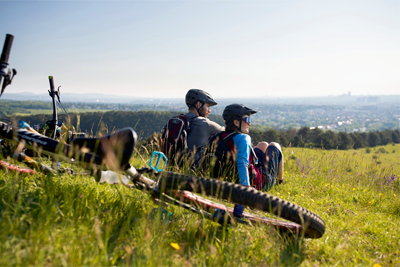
x=276 y=145
x=262 y=146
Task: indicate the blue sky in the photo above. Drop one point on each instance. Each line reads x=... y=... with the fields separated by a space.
x=228 y=48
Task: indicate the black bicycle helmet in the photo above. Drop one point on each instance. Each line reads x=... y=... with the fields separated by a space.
x=194 y=95
x=238 y=110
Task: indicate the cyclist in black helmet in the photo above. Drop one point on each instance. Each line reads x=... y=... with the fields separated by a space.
x=260 y=167
x=201 y=128
x=269 y=168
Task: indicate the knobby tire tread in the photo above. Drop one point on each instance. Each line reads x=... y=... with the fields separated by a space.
x=248 y=196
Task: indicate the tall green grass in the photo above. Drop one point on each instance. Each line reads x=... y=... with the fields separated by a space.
x=65 y=220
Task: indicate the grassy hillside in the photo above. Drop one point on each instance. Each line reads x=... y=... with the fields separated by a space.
x=68 y=221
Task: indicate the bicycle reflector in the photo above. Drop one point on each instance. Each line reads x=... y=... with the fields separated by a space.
x=160 y=157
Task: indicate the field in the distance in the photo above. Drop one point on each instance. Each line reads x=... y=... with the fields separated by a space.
x=68 y=221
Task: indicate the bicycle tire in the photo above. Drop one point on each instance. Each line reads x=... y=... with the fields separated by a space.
x=313 y=226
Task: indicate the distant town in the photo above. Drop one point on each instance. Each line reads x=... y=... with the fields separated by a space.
x=337 y=113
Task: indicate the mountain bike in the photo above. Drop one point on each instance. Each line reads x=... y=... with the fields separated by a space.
x=113 y=152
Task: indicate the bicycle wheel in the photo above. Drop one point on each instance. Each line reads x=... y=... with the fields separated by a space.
x=312 y=225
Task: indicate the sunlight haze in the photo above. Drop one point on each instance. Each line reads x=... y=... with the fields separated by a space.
x=228 y=48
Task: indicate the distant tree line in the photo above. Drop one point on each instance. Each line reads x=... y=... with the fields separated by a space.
x=146 y=123
x=306 y=137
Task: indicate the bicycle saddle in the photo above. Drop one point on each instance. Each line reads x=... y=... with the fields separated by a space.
x=117 y=147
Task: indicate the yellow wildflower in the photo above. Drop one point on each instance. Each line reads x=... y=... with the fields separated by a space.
x=175 y=246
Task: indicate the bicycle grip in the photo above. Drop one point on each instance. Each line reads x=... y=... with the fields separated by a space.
x=51 y=83
x=6 y=48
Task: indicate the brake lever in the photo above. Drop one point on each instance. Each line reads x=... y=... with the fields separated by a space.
x=7 y=80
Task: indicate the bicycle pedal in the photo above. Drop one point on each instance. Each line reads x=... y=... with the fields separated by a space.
x=163 y=214
x=160 y=158
x=238 y=210
x=220 y=216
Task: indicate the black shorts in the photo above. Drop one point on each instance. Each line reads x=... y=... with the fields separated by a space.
x=270 y=171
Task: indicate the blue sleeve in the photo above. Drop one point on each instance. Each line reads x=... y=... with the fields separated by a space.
x=243 y=145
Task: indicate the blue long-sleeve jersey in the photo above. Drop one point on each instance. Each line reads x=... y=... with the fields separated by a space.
x=243 y=148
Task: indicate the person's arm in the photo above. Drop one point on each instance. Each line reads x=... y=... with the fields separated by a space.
x=243 y=144
x=214 y=127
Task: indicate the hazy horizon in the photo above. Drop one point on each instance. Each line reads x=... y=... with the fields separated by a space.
x=9 y=92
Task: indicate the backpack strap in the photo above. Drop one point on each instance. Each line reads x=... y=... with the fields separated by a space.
x=229 y=136
x=253 y=156
x=189 y=121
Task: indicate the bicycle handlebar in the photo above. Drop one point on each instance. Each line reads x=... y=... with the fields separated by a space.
x=6 y=48
x=51 y=81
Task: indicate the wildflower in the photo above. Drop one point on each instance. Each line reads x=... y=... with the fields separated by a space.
x=302 y=169
x=376 y=265
x=312 y=199
x=303 y=195
x=354 y=189
x=175 y=246
x=394 y=195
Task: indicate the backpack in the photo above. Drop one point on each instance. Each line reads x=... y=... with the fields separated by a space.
x=173 y=141
x=222 y=150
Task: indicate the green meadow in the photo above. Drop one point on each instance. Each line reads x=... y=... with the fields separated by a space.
x=72 y=221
